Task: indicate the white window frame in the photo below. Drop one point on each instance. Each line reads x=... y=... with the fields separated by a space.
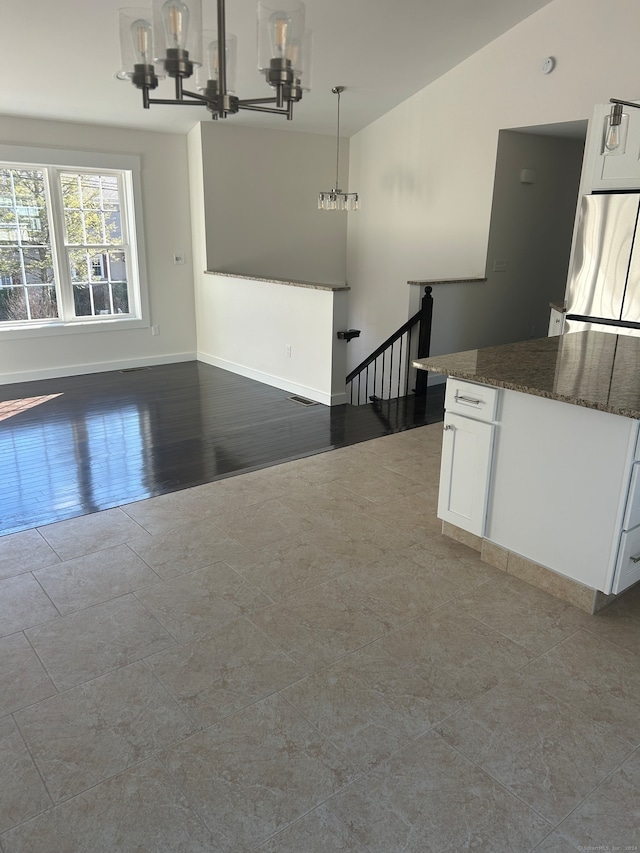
x=129 y=166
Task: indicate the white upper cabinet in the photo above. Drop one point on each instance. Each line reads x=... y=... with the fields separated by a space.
x=618 y=169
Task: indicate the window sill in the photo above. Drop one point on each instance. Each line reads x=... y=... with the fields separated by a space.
x=77 y=327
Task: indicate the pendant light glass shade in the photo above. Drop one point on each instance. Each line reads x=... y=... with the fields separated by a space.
x=177 y=27
x=305 y=61
x=615 y=129
x=336 y=199
x=281 y=35
x=616 y=126
x=136 y=41
x=210 y=68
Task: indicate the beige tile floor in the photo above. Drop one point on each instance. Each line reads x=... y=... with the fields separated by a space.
x=297 y=660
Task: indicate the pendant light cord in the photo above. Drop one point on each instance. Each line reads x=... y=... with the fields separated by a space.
x=336 y=199
x=338 y=90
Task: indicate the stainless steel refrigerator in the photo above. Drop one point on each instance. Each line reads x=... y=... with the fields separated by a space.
x=603 y=288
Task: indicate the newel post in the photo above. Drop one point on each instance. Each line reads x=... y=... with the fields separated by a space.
x=424 y=339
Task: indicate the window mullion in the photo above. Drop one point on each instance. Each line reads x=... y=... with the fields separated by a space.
x=19 y=247
x=127 y=227
x=58 y=247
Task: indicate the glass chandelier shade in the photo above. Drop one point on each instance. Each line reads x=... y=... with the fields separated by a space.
x=177 y=26
x=168 y=40
x=136 y=41
x=336 y=199
x=305 y=54
x=210 y=68
x=280 y=34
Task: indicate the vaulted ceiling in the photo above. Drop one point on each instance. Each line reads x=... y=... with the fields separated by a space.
x=59 y=58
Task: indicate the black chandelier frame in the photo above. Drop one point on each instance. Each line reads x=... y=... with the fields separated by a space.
x=219 y=102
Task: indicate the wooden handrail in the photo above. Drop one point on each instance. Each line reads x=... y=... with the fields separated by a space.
x=389 y=342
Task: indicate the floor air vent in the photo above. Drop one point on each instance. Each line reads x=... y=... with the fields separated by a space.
x=302 y=400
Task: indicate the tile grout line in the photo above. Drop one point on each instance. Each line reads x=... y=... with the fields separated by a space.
x=633 y=749
x=592 y=791
x=41 y=662
x=35 y=764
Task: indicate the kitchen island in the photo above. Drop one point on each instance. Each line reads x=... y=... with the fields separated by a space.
x=541 y=460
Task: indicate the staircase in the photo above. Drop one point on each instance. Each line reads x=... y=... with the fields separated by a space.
x=386 y=383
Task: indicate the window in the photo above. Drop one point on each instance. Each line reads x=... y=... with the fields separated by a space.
x=68 y=247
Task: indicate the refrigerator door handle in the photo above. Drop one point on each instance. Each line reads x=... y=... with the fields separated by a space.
x=604 y=321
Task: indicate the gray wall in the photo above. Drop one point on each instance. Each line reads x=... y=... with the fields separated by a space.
x=260 y=196
x=531 y=227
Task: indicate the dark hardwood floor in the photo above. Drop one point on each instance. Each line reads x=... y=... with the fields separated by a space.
x=80 y=444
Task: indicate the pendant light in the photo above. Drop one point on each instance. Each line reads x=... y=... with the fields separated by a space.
x=615 y=128
x=167 y=41
x=335 y=199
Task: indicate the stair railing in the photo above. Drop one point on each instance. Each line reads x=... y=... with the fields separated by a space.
x=387 y=372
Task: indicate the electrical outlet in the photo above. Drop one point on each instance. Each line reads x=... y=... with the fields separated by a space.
x=287 y=350
x=178 y=258
x=155 y=330
x=500 y=265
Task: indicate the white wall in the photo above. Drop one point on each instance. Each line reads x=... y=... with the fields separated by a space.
x=248 y=327
x=165 y=195
x=263 y=223
x=261 y=203
x=425 y=170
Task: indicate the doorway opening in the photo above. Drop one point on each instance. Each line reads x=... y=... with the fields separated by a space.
x=535 y=198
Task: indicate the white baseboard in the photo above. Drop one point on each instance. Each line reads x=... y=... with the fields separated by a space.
x=274 y=381
x=102 y=367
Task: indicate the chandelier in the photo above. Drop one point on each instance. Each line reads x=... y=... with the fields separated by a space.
x=335 y=199
x=167 y=40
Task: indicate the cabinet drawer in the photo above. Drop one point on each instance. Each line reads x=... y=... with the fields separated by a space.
x=632 y=511
x=471 y=400
x=628 y=563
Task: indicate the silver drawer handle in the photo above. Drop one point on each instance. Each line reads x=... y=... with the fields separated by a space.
x=472 y=400
x=636 y=559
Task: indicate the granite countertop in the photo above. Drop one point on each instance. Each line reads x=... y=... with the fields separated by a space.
x=313 y=285
x=427 y=281
x=593 y=369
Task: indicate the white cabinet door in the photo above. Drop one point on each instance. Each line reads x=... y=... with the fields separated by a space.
x=464 y=472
